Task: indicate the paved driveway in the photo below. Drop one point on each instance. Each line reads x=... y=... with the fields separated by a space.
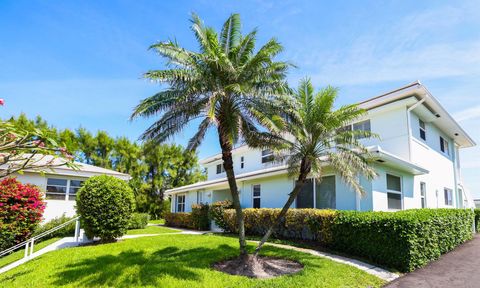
x=458 y=268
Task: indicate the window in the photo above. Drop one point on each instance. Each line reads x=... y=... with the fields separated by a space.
x=56 y=189
x=423 y=194
x=317 y=193
x=199 y=197
x=242 y=162
x=75 y=185
x=180 y=203
x=267 y=156
x=361 y=126
x=448 y=196
x=423 y=130
x=256 y=196
x=444 y=146
x=220 y=169
x=394 y=192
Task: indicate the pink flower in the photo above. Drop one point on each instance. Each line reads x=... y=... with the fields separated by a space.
x=2 y=102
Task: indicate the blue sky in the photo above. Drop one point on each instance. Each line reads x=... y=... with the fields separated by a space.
x=79 y=63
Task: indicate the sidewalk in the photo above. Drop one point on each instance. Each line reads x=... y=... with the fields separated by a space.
x=458 y=268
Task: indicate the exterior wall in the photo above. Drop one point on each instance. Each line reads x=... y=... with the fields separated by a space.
x=442 y=171
x=379 y=189
x=274 y=191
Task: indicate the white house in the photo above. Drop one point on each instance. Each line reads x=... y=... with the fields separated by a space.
x=416 y=158
x=60 y=185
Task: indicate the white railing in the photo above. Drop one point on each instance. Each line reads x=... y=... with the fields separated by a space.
x=29 y=243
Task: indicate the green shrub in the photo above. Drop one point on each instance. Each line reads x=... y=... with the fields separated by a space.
x=66 y=231
x=105 y=204
x=403 y=240
x=138 y=221
x=301 y=224
x=477 y=219
x=216 y=213
x=179 y=219
x=199 y=215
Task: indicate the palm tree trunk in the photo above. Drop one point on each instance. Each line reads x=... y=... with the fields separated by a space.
x=232 y=183
x=305 y=168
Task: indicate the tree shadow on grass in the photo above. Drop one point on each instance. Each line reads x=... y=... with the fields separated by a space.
x=139 y=268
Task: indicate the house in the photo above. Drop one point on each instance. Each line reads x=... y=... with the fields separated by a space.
x=60 y=184
x=416 y=158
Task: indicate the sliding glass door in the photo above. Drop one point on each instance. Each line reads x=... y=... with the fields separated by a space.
x=318 y=194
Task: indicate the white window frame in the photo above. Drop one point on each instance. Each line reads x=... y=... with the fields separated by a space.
x=70 y=187
x=65 y=195
x=423 y=198
x=394 y=191
x=445 y=198
x=422 y=129
x=446 y=146
x=199 y=197
x=242 y=162
x=267 y=158
x=361 y=124
x=222 y=168
x=182 y=203
x=256 y=197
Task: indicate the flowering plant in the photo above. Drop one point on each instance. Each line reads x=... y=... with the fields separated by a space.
x=21 y=210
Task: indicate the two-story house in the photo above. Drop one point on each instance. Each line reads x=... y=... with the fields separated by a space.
x=416 y=158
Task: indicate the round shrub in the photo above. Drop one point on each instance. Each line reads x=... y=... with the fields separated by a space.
x=21 y=209
x=138 y=221
x=105 y=204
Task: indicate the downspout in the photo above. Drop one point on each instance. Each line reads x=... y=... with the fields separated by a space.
x=410 y=127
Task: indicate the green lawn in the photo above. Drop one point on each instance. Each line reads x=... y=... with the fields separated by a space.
x=158 y=221
x=20 y=253
x=151 y=230
x=172 y=261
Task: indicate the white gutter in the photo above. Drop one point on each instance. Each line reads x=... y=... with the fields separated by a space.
x=410 y=127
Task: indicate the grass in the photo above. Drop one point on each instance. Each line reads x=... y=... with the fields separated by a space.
x=172 y=261
x=151 y=230
x=20 y=253
x=157 y=221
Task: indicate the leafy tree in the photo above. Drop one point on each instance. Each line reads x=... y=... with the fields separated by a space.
x=103 y=150
x=227 y=84
x=87 y=145
x=317 y=139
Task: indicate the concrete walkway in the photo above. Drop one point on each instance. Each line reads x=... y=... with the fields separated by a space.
x=458 y=268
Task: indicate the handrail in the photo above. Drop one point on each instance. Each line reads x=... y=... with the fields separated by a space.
x=32 y=239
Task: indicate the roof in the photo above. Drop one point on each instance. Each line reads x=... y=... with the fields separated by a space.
x=440 y=116
x=84 y=170
x=386 y=158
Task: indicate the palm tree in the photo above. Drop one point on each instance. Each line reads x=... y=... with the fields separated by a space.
x=227 y=84
x=319 y=138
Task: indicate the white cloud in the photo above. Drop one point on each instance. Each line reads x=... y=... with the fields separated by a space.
x=468 y=114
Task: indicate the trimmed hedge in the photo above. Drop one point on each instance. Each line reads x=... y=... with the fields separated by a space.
x=199 y=215
x=138 y=221
x=66 y=231
x=404 y=240
x=179 y=219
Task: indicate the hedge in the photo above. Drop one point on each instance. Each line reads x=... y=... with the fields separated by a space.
x=179 y=219
x=198 y=219
x=67 y=231
x=477 y=219
x=138 y=221
x=402 y=240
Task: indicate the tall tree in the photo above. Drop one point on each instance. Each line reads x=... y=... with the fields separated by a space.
x=227 y=84
x=318 y=138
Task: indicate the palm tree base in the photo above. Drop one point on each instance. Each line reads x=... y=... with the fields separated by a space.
x=258 y=266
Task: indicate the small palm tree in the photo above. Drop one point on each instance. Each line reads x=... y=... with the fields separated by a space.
x=319 y=139
x=228 y=85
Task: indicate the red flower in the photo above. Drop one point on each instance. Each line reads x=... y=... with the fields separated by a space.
x=2 y=102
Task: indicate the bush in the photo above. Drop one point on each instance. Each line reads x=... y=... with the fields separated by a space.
x=105 y=204
x=66 y=231
x=138 y=221
x=216 y=213
x=179 y=219
x=199 y=215
x=403 y=240
x=477 y=219
x=21 y=209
